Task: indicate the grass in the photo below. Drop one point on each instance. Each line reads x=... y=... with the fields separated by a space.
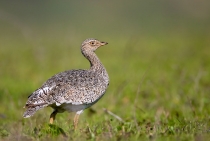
x=159 y=87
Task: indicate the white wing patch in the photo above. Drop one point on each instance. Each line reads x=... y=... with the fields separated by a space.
x=77 y=103
x=44 y=90
x=57 y=104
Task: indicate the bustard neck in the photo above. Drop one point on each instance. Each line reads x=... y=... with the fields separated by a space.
x=95 y=63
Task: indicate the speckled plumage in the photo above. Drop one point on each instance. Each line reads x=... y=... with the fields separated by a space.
x=73 y=90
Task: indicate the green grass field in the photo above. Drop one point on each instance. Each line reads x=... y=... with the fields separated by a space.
x=159 y=82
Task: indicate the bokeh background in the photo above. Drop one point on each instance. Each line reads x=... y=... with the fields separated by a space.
x=157 y=57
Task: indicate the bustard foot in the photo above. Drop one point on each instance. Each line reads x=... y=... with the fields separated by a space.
x=76 y=118
x=52 y=116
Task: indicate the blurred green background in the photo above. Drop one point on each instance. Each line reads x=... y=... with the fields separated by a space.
x=157 y=57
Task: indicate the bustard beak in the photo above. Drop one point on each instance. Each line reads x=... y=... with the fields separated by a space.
x=104 y=43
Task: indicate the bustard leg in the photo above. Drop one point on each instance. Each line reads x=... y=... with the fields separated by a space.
x=76 y=118
x=52 y=116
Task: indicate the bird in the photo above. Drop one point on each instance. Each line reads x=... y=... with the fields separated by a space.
x=72 y=90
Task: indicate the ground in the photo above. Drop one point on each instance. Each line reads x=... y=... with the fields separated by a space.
x=159 y=72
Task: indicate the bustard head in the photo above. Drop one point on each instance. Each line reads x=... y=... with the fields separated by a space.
x=92 y=44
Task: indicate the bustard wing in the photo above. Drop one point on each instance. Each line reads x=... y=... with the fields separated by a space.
x=46 y=95
x=40 y=98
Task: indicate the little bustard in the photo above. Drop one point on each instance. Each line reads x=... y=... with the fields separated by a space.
x=73 y=90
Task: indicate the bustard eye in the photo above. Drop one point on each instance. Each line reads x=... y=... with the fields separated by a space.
x=92 y=43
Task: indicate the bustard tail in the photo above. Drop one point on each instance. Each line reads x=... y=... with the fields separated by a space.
x=31 y=109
